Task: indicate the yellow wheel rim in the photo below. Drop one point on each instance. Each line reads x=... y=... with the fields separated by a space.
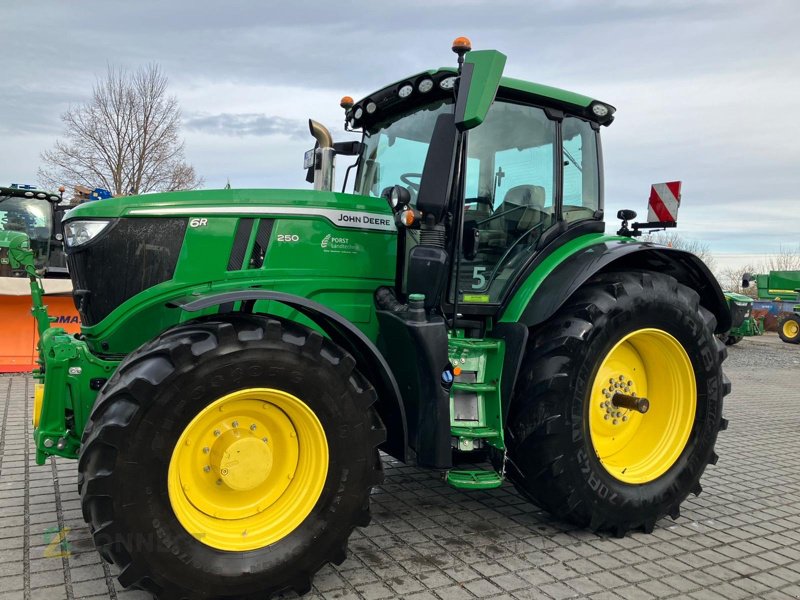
x=639 y=447
x=791 y=328
x=38 y=399
x=248 y=469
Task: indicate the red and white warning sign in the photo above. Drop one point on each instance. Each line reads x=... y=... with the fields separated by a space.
x=665 y=200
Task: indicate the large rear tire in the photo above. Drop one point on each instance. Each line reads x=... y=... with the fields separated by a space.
x=230 y=458
x=789 y=329
x=575 y=452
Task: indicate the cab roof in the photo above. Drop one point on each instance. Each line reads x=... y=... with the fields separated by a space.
x=388 y=101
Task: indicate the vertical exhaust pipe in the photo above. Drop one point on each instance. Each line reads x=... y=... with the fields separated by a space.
x=324 y=157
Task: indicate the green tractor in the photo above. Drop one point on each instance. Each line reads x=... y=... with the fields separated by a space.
x=743 y=323
x=246 y=354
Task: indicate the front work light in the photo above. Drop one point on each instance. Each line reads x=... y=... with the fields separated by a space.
x=426 y=85
x=77 y=233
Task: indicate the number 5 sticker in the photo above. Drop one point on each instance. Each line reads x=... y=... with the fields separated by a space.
x=479 y=278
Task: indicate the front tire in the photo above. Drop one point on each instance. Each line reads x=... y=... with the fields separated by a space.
x=572 y=450
x=230 y=458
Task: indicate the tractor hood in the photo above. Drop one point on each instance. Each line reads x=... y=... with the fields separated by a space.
x=343 y=210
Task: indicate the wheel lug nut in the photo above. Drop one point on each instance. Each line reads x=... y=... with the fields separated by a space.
x=606 y=416
x=614 y=422
x=617 y=414
x=630 y=383
x=621 y=378
x=235 y=424
x=624 y=418
x=216 y=433
x=219 y=481
x=206 y=450
x=206 y=469
x=253 y=427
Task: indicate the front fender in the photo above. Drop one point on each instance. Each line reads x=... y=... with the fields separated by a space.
x=548 y=287
x=369 y=360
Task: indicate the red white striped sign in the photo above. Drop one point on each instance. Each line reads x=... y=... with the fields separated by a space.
x=665 y=200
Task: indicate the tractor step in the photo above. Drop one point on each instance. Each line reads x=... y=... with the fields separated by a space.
x=474 y=480
x=474 y=432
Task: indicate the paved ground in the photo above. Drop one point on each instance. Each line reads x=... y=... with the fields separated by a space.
x=739 y=539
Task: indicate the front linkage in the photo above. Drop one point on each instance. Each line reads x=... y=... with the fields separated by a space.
x=69 y=375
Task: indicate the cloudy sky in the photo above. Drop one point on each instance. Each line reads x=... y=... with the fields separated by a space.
x=706 y=91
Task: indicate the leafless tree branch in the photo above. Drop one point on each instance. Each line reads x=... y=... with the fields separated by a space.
x=126 y=138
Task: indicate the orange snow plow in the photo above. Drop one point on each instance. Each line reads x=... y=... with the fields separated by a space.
x=19 y=337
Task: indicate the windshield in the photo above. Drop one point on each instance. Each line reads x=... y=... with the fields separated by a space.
x=31 y=216
x=396 y=149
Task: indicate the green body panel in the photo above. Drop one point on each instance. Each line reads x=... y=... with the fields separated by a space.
x=527 y=290
x=339 y=266
x=779 y=286
x=487 y=67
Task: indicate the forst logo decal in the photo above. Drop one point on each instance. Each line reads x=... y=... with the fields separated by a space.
x=337 y=245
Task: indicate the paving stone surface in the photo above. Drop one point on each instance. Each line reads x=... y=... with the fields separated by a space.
x=739 y=539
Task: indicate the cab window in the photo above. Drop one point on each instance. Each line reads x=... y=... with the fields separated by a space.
x=509 y=196
x=581 y=190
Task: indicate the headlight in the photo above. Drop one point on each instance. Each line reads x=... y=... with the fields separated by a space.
x=405 y=91
x=77 y=233
x=448 y=84
x=425 y=86
x=371 y=107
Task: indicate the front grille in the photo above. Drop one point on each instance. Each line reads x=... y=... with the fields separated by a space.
x=738 y=313
x=132 y=255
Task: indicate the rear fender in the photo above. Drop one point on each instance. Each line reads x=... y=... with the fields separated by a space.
x=621 y=255
x=369 y=361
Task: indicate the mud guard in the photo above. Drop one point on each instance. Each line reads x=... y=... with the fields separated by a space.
x=368 y=359
x=573 y=272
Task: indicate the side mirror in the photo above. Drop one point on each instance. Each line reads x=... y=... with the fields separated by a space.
x=480 y=78
x=437 y=175
x=626 y=215
x=746 y=279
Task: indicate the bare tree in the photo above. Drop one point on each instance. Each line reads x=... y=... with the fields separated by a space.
x=787 y=259
x=730 y=280
x=674 y=240
x=125 y=139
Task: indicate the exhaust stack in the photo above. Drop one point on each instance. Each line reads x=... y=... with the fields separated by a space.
x=324 y=157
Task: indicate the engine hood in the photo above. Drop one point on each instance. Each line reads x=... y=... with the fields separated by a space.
x=341 y=208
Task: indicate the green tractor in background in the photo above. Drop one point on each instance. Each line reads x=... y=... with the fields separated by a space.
x=743 y=323
x=245 y=354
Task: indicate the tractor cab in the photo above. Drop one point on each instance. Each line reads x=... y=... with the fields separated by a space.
x=482 y=172
x=26 y=209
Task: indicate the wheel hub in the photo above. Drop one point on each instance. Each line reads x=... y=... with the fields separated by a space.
x=243 y=462
x=642 y=406
x=248 y=469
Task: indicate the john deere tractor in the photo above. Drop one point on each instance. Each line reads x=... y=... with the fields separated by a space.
x=245 y=354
